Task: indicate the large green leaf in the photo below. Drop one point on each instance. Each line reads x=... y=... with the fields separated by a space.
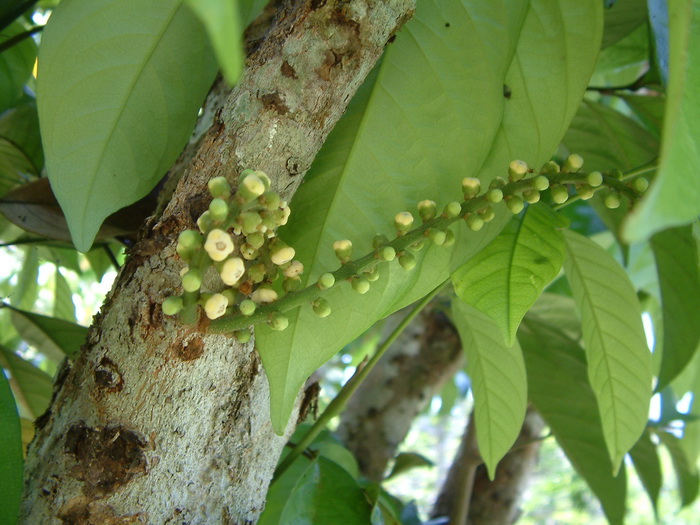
x=120 y=83
x=55 y=338
x=31 y=386
x=623 y=62
x=645 y=456
x=404 y=140
x=559 y=388
x=221 y=19
x=686 y=472
x=10 y=455
x=499 y=383
x=16 y=65
x=622 y=18
x=676 y=254
x=20 y=127
x=505 y=279
x=619 y=362
x=674 y=197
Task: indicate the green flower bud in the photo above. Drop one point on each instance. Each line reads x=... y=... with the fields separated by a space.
x=278 y=321
x=257 y=273
x=475 y=222
x=407 y=261
x=291 y=284
x=560 y=194
x=495 y=195
x=471 y=187
x=192 y=280
x=540 y=183
x=203 y=298
x=230 y=295
x=264 y=178
x=247 y=307
x=573 y=163
x=249 y=222
x=219 y=245
x=280 y=253
x=517 y=169
x=487 y=214
x=321 y=307
x=437 y=236
x=497 y=182
x=343 y=250
x=640 y=184
x=585 y=191
x=360 y=284
x=270 y=199
x=219 y=187
x=325 y=281
x=218 y=209
x=551 y=168
x=250 y=187
x=232 y=271
x=256 y=240
x=595 y=178
x=216 y=306
x=403 y=221
x=617 y=174
x=264 y=295
x=612 y=200
x=188 y=242
x=449 y=239
x=294 y=269
x=418 y=245
x=204 y=222
x=379 y=240
x=515 y=204
x=373 y=274
x=248 y=252
x=386 y=253
x=452 y=209
x=242 y=336
x=427 y=210
x=172 y=305
x=531 y=196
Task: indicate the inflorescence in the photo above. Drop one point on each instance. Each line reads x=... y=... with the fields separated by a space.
x=259 y=278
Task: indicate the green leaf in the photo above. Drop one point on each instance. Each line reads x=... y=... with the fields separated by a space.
x=16 y=65
x=25 y=293
x=99 y=261
x=645 y=456
x=54 y=338
x=625 y=61
x=63 y=307
x=385 y=155
x=505 y=279
x=559 y=388
x=406 y=461
x=14 y=165
x=499 y=383
x=280 y=490
x=686 y=472
x=623 y=18
x=32 y=387
x=221 y=20
x=619 y=362
x=674 y=197
x=20 y=127
x=676 y=254
x=10 y=455
x=649 y=109
x=114 y=121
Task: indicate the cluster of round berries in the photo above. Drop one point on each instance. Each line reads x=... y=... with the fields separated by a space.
x=237 y=240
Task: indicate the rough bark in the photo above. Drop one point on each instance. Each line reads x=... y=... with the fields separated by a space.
x=494 y=502
x=161 y=423
x=415 y=367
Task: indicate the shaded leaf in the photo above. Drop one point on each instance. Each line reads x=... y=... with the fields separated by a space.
x=27 y=289
x=505 y=279
x=406 y=461
x=622 y=18
x=20 y=126
x=10 y=455
x=280 y=490
x=499 y=383
x=619 y=362
x=623 y=62
x=14 y=165
x=676 y=254
x=63 y=307
x=32 y=387
x=686 y=472
x=16 y=65
x=649 y=109
x=114 y=121
x=645 y=457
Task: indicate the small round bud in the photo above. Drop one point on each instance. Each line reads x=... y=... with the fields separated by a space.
x=551 y=168
x=188 y=242
x=471 y=187
x=560 y=194
x=495 y=195
x=573 y=163
x=325 y=281
x=249 y=222
x=373 y=274
x=291 y=284
x=403 y=221
x=437 y=236
x=281 y=254
x=531 y=196
x=407 y=261
x=379 y=240
x=517 y=169
x=343 y=250
x=452 y=210
x=487 y=214
x=219 y=245
x=219 y=187
x=617 y=174
x=218 y=209
x=247 y=307
x=497 y=182
x=251 y=187
x=278 y=321
x=540 y=183
x=192 y=280
x=264 y=178
x=449 y=239
x=172 y=305
x=248 y=252
x=204 y=222
x=232 y=271
x=640 y=184
x=284 y=214
x=230 y=294
x=584 y=191
x=427 y=210
x=264 y=295
x=215 y=306
x=321 y=307
x=256 y=240
x=294 y=269
x=242 y=336
x=475 y=222
x=515 y=204
x=595 y=178
x=386 y=253
x=270 y=199
x=360 y=284
x=257 y=273
x=612 y=200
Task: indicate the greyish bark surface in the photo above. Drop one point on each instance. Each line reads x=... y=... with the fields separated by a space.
x=160 y=423
x=415 y=367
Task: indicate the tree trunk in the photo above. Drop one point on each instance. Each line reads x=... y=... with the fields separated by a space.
x=161 y=423
x=413 y=370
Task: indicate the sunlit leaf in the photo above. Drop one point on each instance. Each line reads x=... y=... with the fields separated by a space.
x=498 y=379
x=10 y=455
x=16 y=65
x=113 y=122
x=619 y=362
x=32 y=387
x=505 y=279
x=63 y=307
x=645 y=457
x=25 y=292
